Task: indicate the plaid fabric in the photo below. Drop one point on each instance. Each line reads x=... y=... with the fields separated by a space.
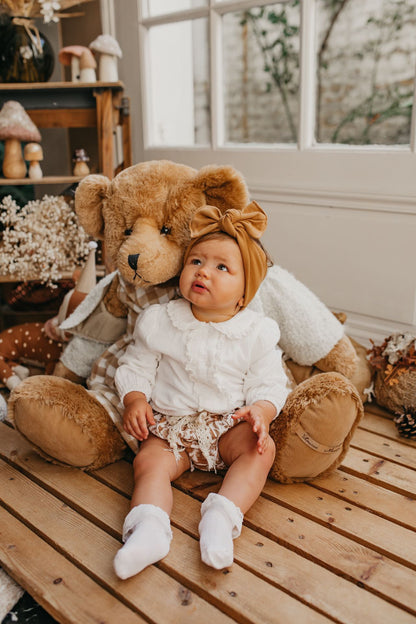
x=101 y=381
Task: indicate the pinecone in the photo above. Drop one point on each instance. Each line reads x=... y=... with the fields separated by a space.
x=406 y=424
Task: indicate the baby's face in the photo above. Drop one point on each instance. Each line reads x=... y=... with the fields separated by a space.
x=212 y=279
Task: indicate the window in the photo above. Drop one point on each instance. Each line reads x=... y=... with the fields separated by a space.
x=247 y=72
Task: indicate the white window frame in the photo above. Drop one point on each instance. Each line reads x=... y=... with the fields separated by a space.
x=276 y=163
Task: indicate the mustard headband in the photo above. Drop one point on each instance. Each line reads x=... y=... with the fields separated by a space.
x=246 y=227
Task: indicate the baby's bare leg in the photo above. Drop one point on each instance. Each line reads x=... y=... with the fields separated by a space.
x=155 y=467
x=248 y=469
x=146 y=531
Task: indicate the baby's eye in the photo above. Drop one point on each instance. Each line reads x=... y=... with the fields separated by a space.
x=222 y=267
x=196 y=261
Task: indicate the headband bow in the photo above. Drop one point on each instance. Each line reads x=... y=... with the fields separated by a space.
x=246 y=227
x=251 y=220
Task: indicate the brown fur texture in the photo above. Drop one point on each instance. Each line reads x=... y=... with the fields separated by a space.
x=145 y=212
x=84 y=420
x=328 y=409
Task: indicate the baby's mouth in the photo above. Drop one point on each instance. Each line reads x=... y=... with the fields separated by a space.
x=198 y=287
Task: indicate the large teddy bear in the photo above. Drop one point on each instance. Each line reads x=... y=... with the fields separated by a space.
x=143 y=217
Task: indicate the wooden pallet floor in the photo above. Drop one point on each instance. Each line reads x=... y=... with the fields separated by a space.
x=342 y=549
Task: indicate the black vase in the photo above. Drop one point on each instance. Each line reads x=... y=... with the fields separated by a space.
x=25 y=54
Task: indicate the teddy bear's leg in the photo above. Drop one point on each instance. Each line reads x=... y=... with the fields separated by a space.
x=313 y=432
x=65 y=423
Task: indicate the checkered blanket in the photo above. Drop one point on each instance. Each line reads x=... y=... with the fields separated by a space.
x=101 y=381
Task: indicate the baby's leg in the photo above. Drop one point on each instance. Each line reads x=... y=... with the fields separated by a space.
x=146 y=531
x=222 y=513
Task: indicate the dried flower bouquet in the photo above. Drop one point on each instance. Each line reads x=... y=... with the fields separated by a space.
x=51 y=11
x=41 y=240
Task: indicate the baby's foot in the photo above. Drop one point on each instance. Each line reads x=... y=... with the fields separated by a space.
x=147 y=536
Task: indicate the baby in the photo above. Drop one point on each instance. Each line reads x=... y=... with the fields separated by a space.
x=201 y=383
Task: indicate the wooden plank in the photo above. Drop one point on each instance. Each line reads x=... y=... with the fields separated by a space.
x=54 y=581
x=380 y=471
x=50 y=86
x=314 y=584
x=372 y=531
x=385 y=427
x=62 y=527
x=243 y=596
x=338 y=553
x=63 y=117
x=369 y=496
x=380 y=446
x=46 y=180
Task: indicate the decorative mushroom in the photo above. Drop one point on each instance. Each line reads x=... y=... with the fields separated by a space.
x=34 y=154
x=15 y=126
x=109 y=51
x=87 y=66
x=70 y=55
x=80 y=160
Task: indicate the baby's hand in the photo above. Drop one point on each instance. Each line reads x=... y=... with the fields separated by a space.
x=255 y=415
x=136 y=415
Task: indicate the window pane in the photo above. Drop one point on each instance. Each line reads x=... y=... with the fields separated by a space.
x=179 y=78
x=366 y=63
x=159 y=7
x=261 y=74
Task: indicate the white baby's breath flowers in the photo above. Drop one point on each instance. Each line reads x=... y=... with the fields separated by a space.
x=40 y=240
x=398 y=344
x=48 y=10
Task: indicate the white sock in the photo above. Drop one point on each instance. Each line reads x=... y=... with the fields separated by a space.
x=220 y=523
x=146 y=536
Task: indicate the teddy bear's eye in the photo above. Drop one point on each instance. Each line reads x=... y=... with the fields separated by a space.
x=165 y=230
x=128 y=232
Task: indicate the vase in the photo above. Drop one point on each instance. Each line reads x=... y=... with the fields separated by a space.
x=25 y=54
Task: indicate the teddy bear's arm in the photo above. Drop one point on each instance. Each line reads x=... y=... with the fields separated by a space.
x=112 y=302
x=341 y=359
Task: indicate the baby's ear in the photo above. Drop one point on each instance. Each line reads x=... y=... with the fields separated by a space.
x=89 y=198
x=224 y=187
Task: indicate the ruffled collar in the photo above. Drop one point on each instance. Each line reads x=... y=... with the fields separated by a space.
x=180 y=314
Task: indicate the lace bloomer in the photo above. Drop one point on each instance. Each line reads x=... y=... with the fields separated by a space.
x=197 y=435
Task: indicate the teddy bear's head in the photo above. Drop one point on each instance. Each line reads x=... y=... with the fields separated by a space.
x=143 y=214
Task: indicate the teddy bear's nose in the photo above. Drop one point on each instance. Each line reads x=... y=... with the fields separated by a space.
x=132 y=260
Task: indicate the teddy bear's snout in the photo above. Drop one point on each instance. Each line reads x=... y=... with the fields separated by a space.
x=132 y=260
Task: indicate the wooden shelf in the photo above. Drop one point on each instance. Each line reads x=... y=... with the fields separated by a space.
x=45 y=180
x=77 y=105
x=73 y=86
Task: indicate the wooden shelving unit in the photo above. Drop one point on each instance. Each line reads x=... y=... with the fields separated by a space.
x=97 y=105
x=100 y=105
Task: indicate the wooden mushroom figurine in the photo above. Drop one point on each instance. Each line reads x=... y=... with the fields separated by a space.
x=87 y=65
x=34 y=154
x=70 y=56
x=80 y=160
x=15 y=127
x=109 y=51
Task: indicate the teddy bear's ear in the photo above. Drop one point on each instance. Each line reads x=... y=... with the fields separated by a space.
x=89 y=197
x=223 y=187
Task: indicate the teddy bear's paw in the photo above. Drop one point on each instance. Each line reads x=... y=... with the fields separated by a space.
x=314 y=430
x=64 y=423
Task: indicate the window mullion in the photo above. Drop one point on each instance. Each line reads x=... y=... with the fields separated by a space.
x=216 y=79
x=307 y=75
x=413 y=124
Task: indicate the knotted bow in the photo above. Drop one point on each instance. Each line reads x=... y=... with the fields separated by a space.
x=246 y=227
x=251 y=220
